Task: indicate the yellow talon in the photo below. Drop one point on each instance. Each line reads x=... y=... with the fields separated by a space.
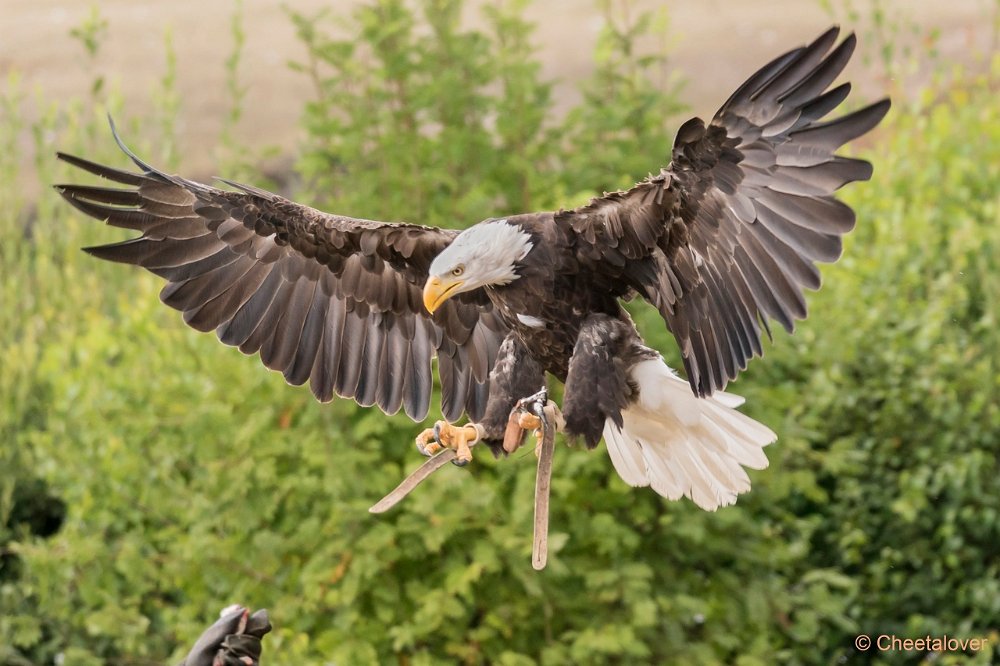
x=445 y=435
x=529 y=421
x=426 y=444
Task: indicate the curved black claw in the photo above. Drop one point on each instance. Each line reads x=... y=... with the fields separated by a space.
x=421 y=444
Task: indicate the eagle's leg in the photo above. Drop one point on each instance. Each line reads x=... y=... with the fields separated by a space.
x=446 y=435
x=598 y=387
x=516 y=373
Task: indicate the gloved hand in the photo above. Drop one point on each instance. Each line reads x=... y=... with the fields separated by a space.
x=234 y=639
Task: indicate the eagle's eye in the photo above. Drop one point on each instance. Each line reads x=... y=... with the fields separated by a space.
x=458 y=270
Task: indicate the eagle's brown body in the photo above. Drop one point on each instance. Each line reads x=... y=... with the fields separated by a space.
x=558 y=333
x=554 y=290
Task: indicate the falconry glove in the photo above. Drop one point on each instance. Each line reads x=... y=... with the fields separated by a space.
x=234 y=640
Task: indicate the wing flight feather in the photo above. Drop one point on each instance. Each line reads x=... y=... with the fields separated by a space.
x=332 y=300
x=727 y=236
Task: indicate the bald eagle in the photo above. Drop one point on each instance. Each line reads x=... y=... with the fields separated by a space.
x=722 y=240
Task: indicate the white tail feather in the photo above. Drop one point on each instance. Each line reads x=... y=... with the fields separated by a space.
x=684 y=446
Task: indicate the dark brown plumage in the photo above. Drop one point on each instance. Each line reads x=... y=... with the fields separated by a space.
x=727 y=235
x=720 y=241
x=329 y=299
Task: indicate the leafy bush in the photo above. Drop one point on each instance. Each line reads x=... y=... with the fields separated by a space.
x=192 y=477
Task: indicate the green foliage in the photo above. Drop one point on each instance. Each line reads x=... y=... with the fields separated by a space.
x=168 y=103
x=194 y=478
x=415 y=115
x=238 y=161
x=625 y=102
x=90 y=33
x=899 y=439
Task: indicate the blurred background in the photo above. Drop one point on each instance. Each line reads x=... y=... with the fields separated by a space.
x=150 y=476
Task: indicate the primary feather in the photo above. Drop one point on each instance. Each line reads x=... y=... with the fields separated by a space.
x=727 y=236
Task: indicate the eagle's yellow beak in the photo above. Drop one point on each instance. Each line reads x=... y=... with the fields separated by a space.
x=437 y=291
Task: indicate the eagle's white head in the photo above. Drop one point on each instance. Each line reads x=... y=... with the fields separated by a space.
x=483 y=255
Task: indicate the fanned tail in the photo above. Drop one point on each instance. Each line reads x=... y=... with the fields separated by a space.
x=684 y=446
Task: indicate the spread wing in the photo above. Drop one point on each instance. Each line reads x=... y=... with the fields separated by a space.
x=727 y=236
x=332 y=300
